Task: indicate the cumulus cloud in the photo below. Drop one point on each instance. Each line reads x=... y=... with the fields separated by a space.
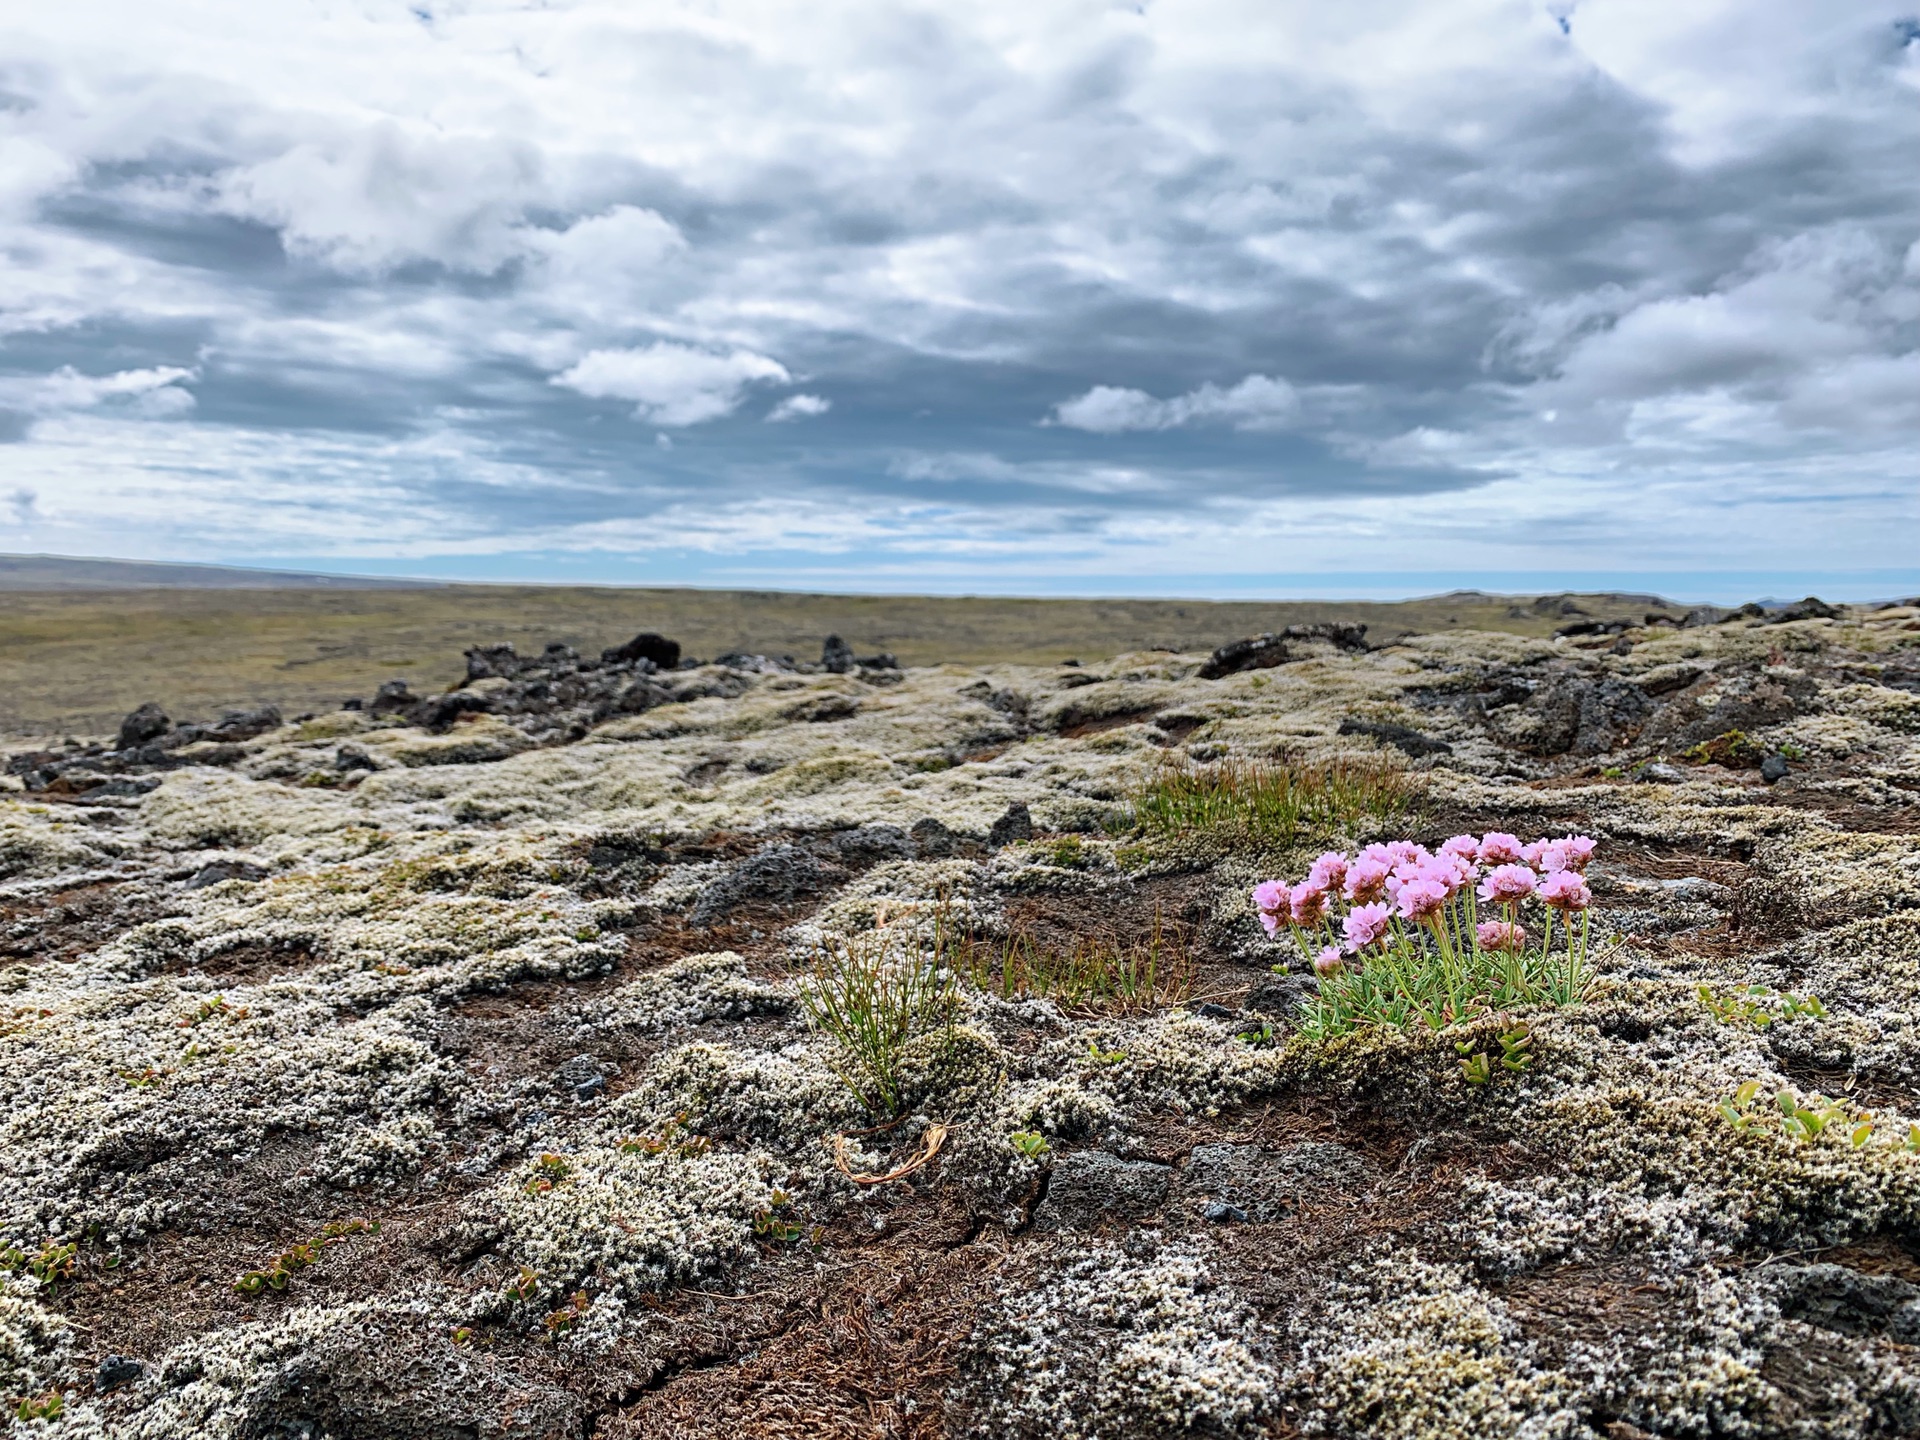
x=1339 y=275
x=672 y=384
x=799 y=407
x=1258 y=402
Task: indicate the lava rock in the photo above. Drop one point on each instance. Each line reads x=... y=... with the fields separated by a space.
x=237 y=725
x=115 y=1371
x=1211 y=1011
x=147 y=723
x=352 y=757
x=1283 y=995
x=1401 y=737
x=217 y=871
x=1579 y=716
x=1774 y=769
x=1264 y=1184
x=392 y=698
x=1811 y=608
x=932 y=839
x=1222 y=1213
x=780 y=875
x=656 y=650
x=486 y=661
x=872 y=845
x=1841 y=1299
x=1260 y=652
x=1702 y=615
x=438 y=712
x=1089 y=1186
x=836 y=656
x=1014 y=825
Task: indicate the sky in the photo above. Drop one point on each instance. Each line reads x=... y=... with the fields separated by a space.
x=1205 y=297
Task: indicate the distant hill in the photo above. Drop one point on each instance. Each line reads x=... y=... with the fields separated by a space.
x=67 y=572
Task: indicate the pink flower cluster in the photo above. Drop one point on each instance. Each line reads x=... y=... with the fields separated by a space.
x=1402 y=882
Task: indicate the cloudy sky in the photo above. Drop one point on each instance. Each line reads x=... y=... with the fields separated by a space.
x=1173 y=296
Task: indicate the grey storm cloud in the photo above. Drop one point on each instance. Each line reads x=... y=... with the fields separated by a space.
x=1344 y=285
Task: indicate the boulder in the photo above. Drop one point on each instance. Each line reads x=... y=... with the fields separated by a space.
x=392 y=698
x=147 y=723
x=1014 y=825
x=656 y=650
x=836 y=656
x=1401 y=737
x=779 y=875
x=933 y=839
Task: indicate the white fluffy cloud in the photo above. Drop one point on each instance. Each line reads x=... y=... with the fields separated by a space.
x=1258 y=402
x=672 y=384
x=799 y=407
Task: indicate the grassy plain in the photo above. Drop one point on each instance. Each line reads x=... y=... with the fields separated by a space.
x=75 y=661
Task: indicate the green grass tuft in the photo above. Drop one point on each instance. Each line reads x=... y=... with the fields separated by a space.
x=1271 y=802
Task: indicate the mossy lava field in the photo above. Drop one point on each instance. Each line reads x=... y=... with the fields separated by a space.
x=646 y=1047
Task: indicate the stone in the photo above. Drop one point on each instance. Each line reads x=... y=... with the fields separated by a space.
x=1222 y=1213
x=115 y=1371
x=237 y=725
x=486 y=661
x=1811 y=608
x=1211 y=1011
x=1401 y=737
x=932 y=839
x=1014 y=825
x=1090 y=1186
x=217 y=871
x=352 y=757
x=1264 y=1184
x=147 y=723
x=1658 y=772
x=656 y=650
x=1586 y=717
x=1264 y=651
x=1283 y=995
x=779 y=875
x=438 y=712
x=392 y=698
x=868 y=845
x=1850 y=1302
x=836 y=656
x=1774 y=769
x=1701 y=615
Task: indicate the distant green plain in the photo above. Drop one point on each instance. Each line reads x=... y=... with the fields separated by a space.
x=74 y=662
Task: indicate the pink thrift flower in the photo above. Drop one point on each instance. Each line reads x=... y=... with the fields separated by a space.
x=1553 y=857
x=1535 y=853
x=1308 y=902
x=1500 y=935
x=1498 y=849
x=1365 y=924
x=1421 y=900
x=1381 y=855
x=1271 y=898
x=1507 y=885
x=1405 y=852
x=1366 y=881
x=1579 y=850
x=1328 y=871
x=1566 y=890
x=1329 y=962
x=1465 y=846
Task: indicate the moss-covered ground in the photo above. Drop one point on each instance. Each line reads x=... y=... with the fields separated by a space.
x=528 y=1004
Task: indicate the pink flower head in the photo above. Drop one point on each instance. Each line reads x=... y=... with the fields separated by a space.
x=1328 y=871
x=1365 y=924
x=1554 y=857
x=1381 y=855
x=1507 y=885
x=1498 y=849
x=1578 y=850
x=1308 y=902
x=1535 y=853
x=1566 y=890
x=1405 y=852
x=1422 y=899
x=1464 y=846
x=1366 y=881
x=1271 y=898
x=1453 y=871
x=1329 y=962
x=1500 y=935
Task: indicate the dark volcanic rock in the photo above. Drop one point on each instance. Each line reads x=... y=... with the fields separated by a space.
x=1811 y=608
x=486 y=661
x=1579 y=716
x=1263 y=652
x=656 y=650
x=147 y=723
x=237 y=725
x=392 y=698
x=1015 y=824
x=836 y=656
x=870 y=845
x=1283 y=995
x=1089 y=1186
x=934 y=840
x=779 y=875
x=1849 y=1302
x=1401 y=737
